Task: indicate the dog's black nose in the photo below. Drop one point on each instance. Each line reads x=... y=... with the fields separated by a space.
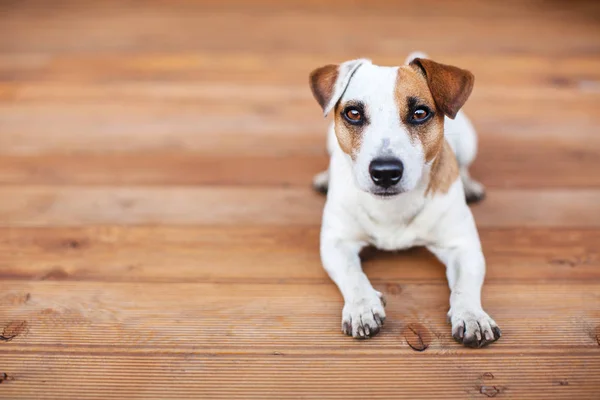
x=386 y=172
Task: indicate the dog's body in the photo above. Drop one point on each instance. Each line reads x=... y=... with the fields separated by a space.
x=398 y=178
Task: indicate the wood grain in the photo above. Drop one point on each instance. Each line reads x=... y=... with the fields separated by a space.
x=284 y=376
x=535 y=163
x=248 y=254
x=254 y=126
x=227 y=317
x=159 y=237
x=80 y=206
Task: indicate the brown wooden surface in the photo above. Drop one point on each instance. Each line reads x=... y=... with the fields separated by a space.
x=158 y=233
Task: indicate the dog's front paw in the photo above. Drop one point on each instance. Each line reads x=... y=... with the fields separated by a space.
x=364 y=317
x=473 y=328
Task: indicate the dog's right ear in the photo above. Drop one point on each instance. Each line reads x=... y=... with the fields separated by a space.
x=450 y=86
x=328 y=83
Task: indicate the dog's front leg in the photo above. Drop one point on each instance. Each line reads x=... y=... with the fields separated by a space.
x=465 y=269
x=363 y=314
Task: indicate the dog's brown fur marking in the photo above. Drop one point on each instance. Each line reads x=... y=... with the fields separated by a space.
x=412 y=83
x=443 y=89
x=449 y=85
x=349 y=136
x=322 y=81
x=444 y=170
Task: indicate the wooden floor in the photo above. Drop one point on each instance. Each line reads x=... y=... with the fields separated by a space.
x=158 y=232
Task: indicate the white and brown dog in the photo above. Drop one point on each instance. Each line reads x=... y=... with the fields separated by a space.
x=398 y=178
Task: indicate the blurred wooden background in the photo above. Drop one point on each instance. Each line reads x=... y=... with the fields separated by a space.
x=158 y=233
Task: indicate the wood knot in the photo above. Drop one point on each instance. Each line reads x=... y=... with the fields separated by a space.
x=55 y=274
x=16 y=299
x=393 y=289
x=5 y=377
x=126 y=203
x=487 y=376
x=72 y=244
x=598 y=335
x=489 y=391
x=562 y=382
x=417 y=336
x=12 y=330
x=573 y=262
x=560 y=81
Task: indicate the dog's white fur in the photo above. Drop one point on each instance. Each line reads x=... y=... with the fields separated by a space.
x=354 y=217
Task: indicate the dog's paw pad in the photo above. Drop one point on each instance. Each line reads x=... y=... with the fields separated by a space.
x=474 y=328
x=364 y=318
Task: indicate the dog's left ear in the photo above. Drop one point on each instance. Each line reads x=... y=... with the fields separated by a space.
x=450 y=86
x=328 y=83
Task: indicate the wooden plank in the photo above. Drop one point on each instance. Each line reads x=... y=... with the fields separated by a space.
x=266 y=127
x=106 y=79
x=574 y=165
x=275 y=254
x=229 y=116
x=164 y=26
x=184 y=75
x=44 y=206
x=79 y=206
x=239 y=318
x=506 y=208
x=264 y=7
x=285 y=376
x=163 y=168
x=151 y=247
x=535 y=163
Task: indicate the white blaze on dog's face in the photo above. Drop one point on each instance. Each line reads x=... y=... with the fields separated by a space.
x=390 y=120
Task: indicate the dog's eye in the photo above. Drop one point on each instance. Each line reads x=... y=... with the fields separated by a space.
x=353 y=115
x=420 y=114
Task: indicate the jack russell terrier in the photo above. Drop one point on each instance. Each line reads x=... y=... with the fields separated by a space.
x=398 y=177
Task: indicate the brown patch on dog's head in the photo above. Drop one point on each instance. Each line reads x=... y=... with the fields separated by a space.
x=322 y=81
x=449 y=85
x=443 y=90
x=444 y=170
x=349 y=136
x=412 y=92
x=328 y=85
x=329 y=82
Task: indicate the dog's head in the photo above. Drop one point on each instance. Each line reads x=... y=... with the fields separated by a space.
x=390 y=120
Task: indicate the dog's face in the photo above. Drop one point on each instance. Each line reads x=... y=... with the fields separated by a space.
x=390 y=120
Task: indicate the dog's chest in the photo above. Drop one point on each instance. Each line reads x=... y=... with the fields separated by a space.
x=391 y=228
x=394 y=238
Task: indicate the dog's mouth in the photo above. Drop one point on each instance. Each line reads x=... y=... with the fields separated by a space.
x=386 y=194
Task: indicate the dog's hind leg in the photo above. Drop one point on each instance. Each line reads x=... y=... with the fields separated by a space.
x=463 y=139
x=321 y=181
x=474 y=191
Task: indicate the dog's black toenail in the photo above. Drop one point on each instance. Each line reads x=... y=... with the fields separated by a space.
x=461 y=332
x=497 y=332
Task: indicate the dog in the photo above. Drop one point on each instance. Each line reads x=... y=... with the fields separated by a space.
x=398 y=177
